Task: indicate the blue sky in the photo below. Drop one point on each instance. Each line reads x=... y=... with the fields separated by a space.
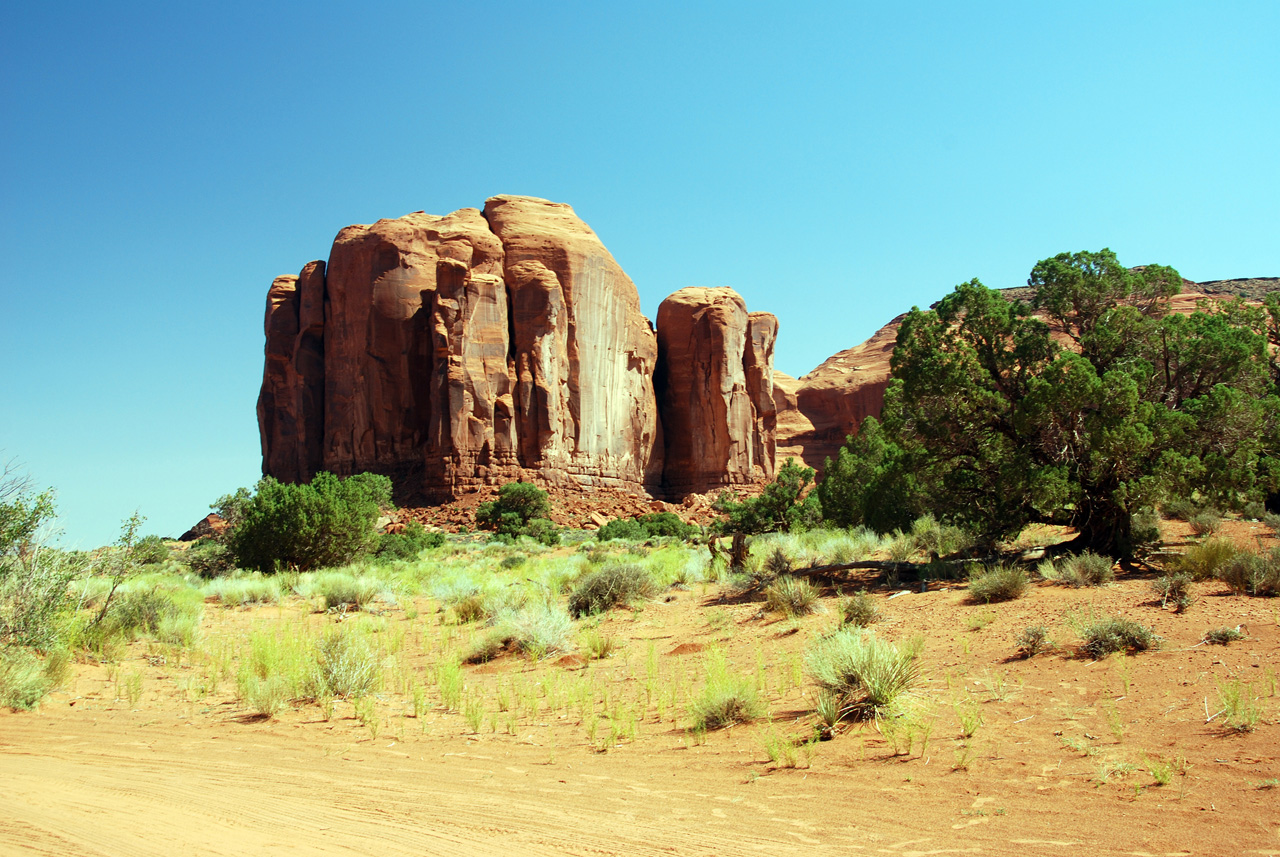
x=835 y=163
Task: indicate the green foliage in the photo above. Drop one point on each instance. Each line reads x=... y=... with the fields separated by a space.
x=209 y=558
x=407 y=544
x=345 y=666
x=26 y=678
x=993 y=425
x=868 y=673
x=326 y=523
x=1174 y=589
x=518 y=504
x=1222 y=636
x=1203 y=561
x=1083 y=569
x=782 y=506
x=34 y=577
x=647 y=526
x=997 y=583
x=1205 y=523
x=151 y=550
x=609 y=587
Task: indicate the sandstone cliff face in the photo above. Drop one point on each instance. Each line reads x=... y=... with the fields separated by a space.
x=715 y=383
x=462 y=350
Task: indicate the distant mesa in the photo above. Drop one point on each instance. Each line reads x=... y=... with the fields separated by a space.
x=506 y=343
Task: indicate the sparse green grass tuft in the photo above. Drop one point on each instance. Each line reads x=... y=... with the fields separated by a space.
x=1252 y=574
x=868 y=673
x=1104 y=635
x=1222 y=636
x=997 y=583
x=1033 y=640
x=791 y=596
x=1242 y=711
x=1085 y=569
x=610 y=587
x=1174 y=589
x=859 y=610
x=725 y=698
x=1203 y=561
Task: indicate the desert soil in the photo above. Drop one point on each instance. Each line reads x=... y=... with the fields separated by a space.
x=1060 y=764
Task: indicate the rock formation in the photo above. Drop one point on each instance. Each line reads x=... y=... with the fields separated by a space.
x=485 y=346
x=715 y=385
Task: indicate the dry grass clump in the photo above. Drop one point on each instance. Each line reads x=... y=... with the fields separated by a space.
x=345 y=666
x=1205 y=523
x=859 y=610
x=1222 y=636
x=340 y=590
x=725 y=699
x=1084 y=569
x=1252 y=574
x=1033 y=640
x=537 y=629
x=1174 y=589
x=1203 y=561
x=791 y=596
x=867 y=673
x=610 y=587
x=997 y=583
x=1103 y=635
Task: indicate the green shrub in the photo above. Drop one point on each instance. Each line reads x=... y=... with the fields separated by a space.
x=627 y=529
x=407 y=544
x=610 y=587
x=782 y=506
x=34 y=578
x=208 y=559
x=326 y=523
x=997 y=583
x=1174 y=589
x=150 y=550
x=1104 y=635
x=517 y=504
x=859 y=610
x=935 y=538
x=1144 y=528
x=1252 y=574
x=169 y=617
x=1203 y=561
x=488 y=646
x=725 y=698
x=542 y=531
x=791 y=596
x=868 y=673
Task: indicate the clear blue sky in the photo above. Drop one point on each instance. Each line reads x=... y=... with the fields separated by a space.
x=835 y=163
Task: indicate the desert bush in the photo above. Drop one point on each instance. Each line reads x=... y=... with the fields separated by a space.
x=782 y=506
x=166 y=615
x=487 y=646
x=537 y=629
x=345 y=666
x=642 y=527
x=239 y=591
x=1182 y=508
x=325 y=523
x=859 y=610
x=791 y=596
x=1205 y=523
x=941 y=539
x=1272 y=520
x=1174 y=589
x=1222 y=636
x=25 y=678
x=725 y=698
x=1202 y=561
x=626 y=529
x=1253 y=510
x=597 y=645
x=1033 y=640
x=868 y=673
x=208 y=559
x=151 y=550
x=997 y=583
x=610 y=587
x=1144 y=528
x=407 y=544
x=470 y=608
x=1252 y=574
x=1103 y=635
x=1084 y=569
x=341 y=590
x=520 y=509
